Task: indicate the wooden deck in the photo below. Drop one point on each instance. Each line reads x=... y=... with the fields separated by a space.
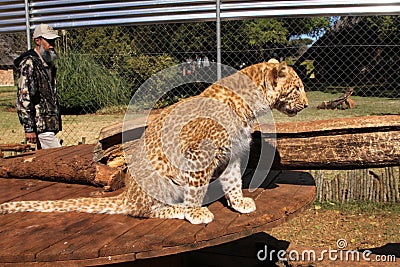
x=79 y=239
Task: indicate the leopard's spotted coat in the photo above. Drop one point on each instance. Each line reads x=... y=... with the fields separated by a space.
x=204 y=139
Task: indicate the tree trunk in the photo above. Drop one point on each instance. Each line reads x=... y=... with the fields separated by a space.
x=66 y=164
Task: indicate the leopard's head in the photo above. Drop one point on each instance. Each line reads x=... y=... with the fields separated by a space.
x=289 y=89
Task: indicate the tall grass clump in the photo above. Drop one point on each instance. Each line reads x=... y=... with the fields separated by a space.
x=85 y=86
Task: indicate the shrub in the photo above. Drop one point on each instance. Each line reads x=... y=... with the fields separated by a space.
x=85 y=86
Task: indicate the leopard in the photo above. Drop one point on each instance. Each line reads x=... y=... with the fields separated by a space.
x=188 y=145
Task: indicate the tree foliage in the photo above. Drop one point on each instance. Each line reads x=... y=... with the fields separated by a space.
x=138 y=52
x=262 y=32
x=386 y=26
x=265 y=31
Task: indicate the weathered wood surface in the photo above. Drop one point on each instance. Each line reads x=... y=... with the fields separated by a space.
x=344 y=143
x=339 y=125
x=66 y=164
x=80 y=239
x=112 y=134
x=14 y=148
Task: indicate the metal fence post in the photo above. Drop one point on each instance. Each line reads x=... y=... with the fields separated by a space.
x=218 y=26
x=28 y=26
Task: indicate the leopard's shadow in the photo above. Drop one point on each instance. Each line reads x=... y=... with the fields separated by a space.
x=276 y=177
x=261 y=171
x=270 y=181
x=263 y=167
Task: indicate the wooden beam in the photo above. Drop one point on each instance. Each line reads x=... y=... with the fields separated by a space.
x=15 y=147
x=343 y=143
x=346 y=143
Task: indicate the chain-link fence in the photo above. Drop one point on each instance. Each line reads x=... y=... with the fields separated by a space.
x=99 y=69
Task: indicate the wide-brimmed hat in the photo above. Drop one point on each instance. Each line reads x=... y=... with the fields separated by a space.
x=45 y=31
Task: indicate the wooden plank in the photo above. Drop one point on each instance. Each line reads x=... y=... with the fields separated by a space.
x=131 y=241
x=100 y=261
x=223 y=214
x=222 y=218
x=337 y=124
x=185 y=236
x=71 y=224
x=89 y=238
x=20 y=188
x=25 y=229
x=37 y=231
x=160 y=233
x=278 y=203
x=219 y=240
x=86 y=243
x=42 y=190
x=58 y=191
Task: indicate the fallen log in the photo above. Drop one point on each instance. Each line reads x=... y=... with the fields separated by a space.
x=72 y=164
x=343 y=102
x=346 y=143
x=343 y=143
x=14 y=148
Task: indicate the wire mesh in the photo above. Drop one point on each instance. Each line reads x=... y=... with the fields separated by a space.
x=100 y=68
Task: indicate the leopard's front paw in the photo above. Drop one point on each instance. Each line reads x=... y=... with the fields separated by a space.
x=199 y=215
x=243 y=205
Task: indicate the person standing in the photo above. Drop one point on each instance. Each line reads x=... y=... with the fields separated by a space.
x=37 y=103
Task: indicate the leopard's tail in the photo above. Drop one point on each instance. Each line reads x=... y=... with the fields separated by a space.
x=109 y=205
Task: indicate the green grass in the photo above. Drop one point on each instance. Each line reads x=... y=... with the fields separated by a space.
x=365 y=106
x=365 y=207
x=374 y=212
x=8 y=95
x=74 y=126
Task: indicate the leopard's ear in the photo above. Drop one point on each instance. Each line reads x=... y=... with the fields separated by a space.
x=278 y=73
x=282 y=70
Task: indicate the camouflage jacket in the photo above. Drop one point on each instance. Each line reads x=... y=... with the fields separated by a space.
x=37 y=103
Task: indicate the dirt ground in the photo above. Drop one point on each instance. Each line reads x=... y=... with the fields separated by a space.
x=374 y=227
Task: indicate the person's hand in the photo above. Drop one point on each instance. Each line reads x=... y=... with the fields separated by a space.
x=30 y=137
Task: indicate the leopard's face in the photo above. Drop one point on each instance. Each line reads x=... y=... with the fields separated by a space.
x=292 y=97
